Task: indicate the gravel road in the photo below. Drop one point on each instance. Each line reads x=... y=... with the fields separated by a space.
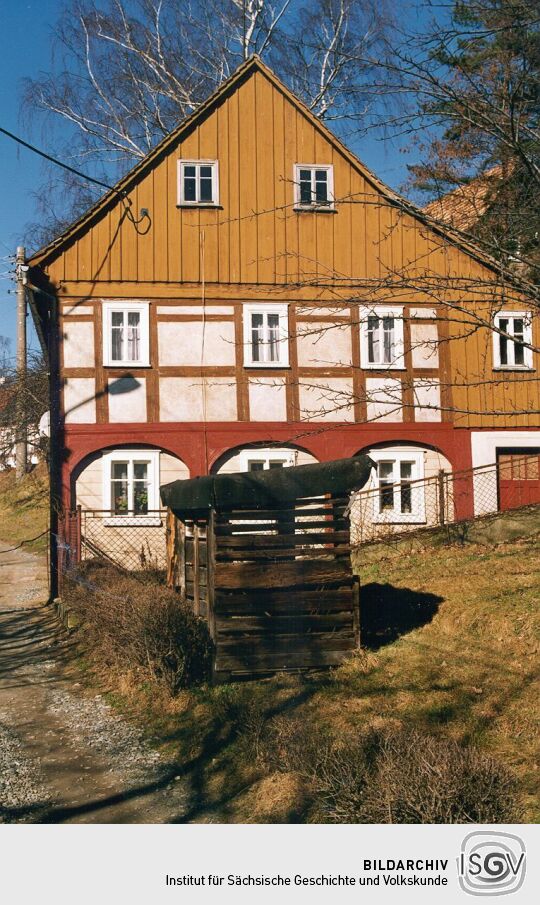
x=66 y=756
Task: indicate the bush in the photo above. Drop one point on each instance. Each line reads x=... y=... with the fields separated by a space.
x=129 y=624
x=391 y=776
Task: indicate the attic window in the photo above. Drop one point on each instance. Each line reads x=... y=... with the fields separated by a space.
x=198 y=183
x=313 y=187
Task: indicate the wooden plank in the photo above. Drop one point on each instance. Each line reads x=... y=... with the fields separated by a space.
x=195 y=573
x=327 y=553
x=278 y=602
x=255 y=575
x=210 y=574
x=338 y=524
x=277 y=541
x=278 y=512
x=277 y=644
x=303 y=623
x=273 y=661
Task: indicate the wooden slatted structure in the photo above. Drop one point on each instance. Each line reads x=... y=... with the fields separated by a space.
x=276 y=586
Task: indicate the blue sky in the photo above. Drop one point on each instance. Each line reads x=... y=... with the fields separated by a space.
x=25 y=51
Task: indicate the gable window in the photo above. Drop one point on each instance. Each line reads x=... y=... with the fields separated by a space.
x=398 y=497
x=266 y=336
x=131 y=487
x=381 y=337
x=198 y=182
x=125 y=334
x=509 y=350
x=313 y=187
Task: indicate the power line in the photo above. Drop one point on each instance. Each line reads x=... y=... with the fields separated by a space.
x=59 y=163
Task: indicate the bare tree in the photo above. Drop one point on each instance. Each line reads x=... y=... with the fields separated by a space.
x=23 y=402
x=125 y=74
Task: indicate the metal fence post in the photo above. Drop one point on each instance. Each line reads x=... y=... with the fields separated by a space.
x=442 y=497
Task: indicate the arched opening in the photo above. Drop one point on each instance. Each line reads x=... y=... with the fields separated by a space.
x=260 y=457
x=411 y=487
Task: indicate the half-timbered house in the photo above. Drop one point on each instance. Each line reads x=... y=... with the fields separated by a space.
x=250 y=296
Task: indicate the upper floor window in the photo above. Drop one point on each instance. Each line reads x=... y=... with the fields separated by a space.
x=266 y=336
x=509 y=350
x=381 y=337
x=131 y=486
x=313 y=186
x=198 y=182
x=125 y=334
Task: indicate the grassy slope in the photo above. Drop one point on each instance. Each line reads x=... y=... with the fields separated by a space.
x=468 y=673
x=24 y=507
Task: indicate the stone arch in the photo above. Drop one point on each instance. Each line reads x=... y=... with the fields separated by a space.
x=236 y=458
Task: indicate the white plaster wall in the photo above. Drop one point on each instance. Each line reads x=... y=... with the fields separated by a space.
x=363 y=527
x=427 y=393
x=79 y=400
x=234 y=464
x=128 y=406
x=195 y=309
x=422 y=312
x=314 y=309
x=181 y=343
x=384 y=399
x=323 y=345
x=267 y=399
x=424 y=347
x=74 y=308
x=484 y=445
x=78 y=344
x=182 y=399
x=326 y=399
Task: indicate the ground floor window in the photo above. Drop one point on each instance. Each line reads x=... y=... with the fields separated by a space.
x=131 y=485
x=266 y=459
x=398 y=497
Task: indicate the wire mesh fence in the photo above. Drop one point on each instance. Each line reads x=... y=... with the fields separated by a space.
x=385 y=508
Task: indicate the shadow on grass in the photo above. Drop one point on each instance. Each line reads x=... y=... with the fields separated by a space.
x=387 y=612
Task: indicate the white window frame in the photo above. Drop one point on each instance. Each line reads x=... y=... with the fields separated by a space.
x=215 y=183
x=287 y=456
x=151 y=458
x=381 y=311
x=125 y=307
x=282 y=310
x=330 y=204
x=395 y=517
x=527 y=365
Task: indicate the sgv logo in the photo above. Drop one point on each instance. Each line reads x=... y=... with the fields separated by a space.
x=491 y=864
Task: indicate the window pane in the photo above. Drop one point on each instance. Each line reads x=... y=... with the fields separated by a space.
x=140 y=497
x=117 y=318
x=276 y=464
x=206 y=171
x=134 y=336
x=206 y=187
x=388 y=333
x=386 y=497
x=140 y=471
x=405 y=469
x=518 y=326
x=503 y=350
x=321 y=186
x=406 y=498
x=373 y=339
x=256 y=336
x=190 y=193
x=255 y=466
x=117 y=336
x=386 y=469
x=305 y=187
x=120 y=470
x=273 y=337
x=190 y=171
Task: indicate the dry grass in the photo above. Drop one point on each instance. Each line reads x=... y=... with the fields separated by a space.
x=467 y=673
x=24 y=507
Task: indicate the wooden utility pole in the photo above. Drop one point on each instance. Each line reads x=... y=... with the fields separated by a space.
x=21 y=448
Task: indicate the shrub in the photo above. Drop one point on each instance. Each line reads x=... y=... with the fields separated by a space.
x=138 y=625
x=391 y=776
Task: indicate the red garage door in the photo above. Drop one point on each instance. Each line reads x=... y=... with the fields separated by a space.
x=519 y=477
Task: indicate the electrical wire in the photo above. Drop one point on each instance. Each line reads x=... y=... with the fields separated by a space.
x=59 y=163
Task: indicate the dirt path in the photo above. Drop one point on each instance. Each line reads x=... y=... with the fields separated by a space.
x=66 y=757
